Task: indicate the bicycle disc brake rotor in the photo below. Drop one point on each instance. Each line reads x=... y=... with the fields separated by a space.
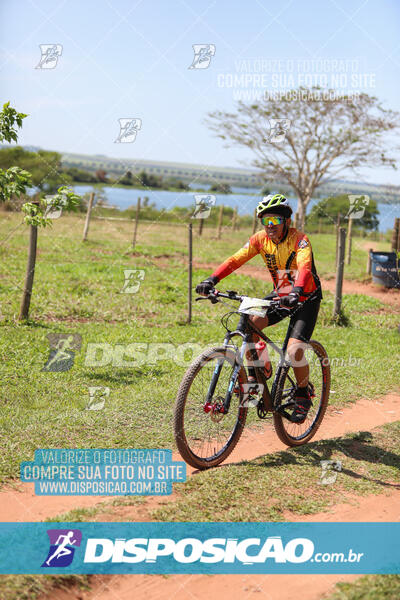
x=216 y=413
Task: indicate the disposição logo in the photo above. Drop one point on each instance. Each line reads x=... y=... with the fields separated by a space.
x=62 y=550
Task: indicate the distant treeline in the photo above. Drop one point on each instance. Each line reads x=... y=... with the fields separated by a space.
x=322 y=217
x=48 y=173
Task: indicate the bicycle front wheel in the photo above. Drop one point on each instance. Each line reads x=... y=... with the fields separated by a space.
x=294 y=434
x=204 y=437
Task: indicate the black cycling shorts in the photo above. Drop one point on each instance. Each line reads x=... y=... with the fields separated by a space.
x=302 y=318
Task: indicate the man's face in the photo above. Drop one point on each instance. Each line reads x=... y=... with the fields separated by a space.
x=274 y=232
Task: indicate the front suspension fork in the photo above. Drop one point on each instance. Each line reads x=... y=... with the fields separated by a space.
x=223 y=408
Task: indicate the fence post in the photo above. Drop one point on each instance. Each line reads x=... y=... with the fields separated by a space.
x=339 y=272
x=30 y=271
x=369 y=261
x=396 y=235
x=190 y=267
x=337 y=237
x=234 y=219
x=220 y=216
x=88 y=215
x=201 y=226
x=136 y=223
x=255 y=221
x=349 y=233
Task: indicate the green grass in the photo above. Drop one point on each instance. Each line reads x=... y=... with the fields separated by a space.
x=78 y=290
x=369 y=587
x=95 y=513
x=279 y=486
x=32 y=587
x=271 y=488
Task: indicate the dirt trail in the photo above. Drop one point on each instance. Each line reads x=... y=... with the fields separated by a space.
x=204 y=587
x=364 y=415
x=21 y=504
x=382 y=508
x=388 y=296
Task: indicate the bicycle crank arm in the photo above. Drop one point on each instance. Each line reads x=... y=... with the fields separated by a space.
x=281 y=410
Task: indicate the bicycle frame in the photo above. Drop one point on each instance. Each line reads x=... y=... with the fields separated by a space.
x=245 y=329
x=203 y=435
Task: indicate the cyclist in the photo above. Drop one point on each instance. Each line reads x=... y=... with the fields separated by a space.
x=289 y=258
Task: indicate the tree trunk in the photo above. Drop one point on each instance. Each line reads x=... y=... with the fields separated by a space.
x=220 y=218
x=136 y=223
x=88 y=215
x=339 y=273
x=301 y=211
x=201 y=224
x=30 y=273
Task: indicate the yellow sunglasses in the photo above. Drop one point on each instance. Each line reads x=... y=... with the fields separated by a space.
x=272 y=220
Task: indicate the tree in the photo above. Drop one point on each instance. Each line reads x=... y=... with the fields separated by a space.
x=328 y=209
x=101 y=175
x=176 y=183
x=38 y=213
x=266 y=190
x=14 y=180
x=325 y=137
x=222 y=188
x=127 y=179
x=43 y=166
x=80 y=175
x=149 y=181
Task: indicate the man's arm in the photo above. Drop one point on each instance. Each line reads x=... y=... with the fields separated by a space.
x=304 y=263
x=249 y=250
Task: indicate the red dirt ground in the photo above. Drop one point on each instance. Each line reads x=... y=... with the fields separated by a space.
x=23 y=505
x=19 y=503
x=364 y=414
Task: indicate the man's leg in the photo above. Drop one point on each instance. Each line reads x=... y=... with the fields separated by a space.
x=301 y=327
x=261 y=323
x=297 y=357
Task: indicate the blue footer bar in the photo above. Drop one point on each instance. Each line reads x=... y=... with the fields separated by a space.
x=209 y=548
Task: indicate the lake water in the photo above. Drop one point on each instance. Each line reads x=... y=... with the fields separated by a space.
x=245 y=202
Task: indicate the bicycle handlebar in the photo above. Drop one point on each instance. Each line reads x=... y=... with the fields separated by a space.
x=232 y=295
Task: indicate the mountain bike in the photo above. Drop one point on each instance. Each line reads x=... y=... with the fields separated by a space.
x=214 y=396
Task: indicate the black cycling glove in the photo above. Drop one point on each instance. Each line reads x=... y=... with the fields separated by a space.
x=205 y=287
x=291 y=300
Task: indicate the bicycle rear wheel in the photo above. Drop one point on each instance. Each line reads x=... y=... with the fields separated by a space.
x=295 y=434
x=205 y=439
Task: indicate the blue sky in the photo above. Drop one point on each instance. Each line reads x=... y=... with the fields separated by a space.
x=130 y=59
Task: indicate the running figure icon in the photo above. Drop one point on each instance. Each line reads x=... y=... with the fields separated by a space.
x=62 y=549
x=62 y=351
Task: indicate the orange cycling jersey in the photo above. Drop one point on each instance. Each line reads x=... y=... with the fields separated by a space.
x=290 y=262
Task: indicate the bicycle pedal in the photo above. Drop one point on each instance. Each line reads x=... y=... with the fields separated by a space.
x=262 y=412
x=311 y=390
